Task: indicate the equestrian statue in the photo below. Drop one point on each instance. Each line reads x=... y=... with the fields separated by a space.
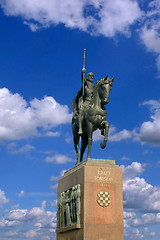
x=89 y=112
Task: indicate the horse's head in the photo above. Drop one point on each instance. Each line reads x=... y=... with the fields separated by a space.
x=105 y=86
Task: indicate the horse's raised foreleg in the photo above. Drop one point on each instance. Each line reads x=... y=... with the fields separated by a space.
x=76 y=146
x=84 y=145
x=106 y=129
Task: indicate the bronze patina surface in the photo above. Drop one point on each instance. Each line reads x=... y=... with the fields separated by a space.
x=89 y=112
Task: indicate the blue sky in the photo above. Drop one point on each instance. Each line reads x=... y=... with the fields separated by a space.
x=41 y=57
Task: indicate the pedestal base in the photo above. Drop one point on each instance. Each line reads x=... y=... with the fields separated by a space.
x=101 y=215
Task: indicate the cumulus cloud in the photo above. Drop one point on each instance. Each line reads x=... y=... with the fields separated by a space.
x=24 y=149
x=11 y=233
x=3 y=199
x=149 y=131
x=136 y=233
x=56 y=178
x=97 y=135
x=114 y=135
x=132 y=170
x=141 y=203
x=20 y=120
x=36 y=222
x=58 y=158
x=118 y=136
x=149 y=33
x=94 y=16
x=138 y=194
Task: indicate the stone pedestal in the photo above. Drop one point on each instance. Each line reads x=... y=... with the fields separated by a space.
x=101 y=216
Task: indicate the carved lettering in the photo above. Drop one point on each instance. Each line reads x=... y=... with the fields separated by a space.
x=103 y=179
x=105 y=173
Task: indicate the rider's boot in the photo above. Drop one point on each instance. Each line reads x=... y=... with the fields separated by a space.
x=80 y=131
x=80 y=127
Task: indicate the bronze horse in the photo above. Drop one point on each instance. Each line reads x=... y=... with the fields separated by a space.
x=95 y=116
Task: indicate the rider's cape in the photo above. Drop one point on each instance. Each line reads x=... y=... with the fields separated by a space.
x=78 y=100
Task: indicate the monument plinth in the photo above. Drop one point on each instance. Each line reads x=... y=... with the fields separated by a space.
x=90 y=202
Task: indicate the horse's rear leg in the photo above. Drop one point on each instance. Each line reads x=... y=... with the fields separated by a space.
x=76 y=146
x=83 y=145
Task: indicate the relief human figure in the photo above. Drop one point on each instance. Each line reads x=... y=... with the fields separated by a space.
x=58 y=212
x=68 y=214
x=63 y=212
x=71 y=204
x=78 y=202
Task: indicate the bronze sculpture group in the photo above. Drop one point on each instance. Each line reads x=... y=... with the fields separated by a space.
x=89 y=112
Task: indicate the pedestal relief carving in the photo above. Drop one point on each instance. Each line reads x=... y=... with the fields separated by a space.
x=69 y=207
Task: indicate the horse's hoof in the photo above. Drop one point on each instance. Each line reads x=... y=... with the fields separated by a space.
x=103 y=145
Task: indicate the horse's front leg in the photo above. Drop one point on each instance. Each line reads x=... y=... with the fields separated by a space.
x=106 y=129
x=89 y=143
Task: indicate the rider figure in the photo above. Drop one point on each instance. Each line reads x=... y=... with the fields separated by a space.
x=86 y=97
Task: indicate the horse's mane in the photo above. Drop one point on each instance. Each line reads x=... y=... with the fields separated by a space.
x=96 y=86
x=99 y=82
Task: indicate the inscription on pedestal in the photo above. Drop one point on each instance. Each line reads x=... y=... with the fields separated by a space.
x=69 y=207
x=104 y=176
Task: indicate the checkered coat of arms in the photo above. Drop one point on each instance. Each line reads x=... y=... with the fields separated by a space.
x=103 y=199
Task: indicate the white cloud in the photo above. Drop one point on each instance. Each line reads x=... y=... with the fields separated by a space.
x=146 y=219
x=54 y=187
x=3 y=199
x=21 y=194
x=54 y=203
x=115 y=16
x=59 y=159
x=141 y=203
x=33 y=26
x=52 y=134
x=96 y=17
x=132 y=170
x=19 y=120
x=25 y=149
x=138 y=194
x=56 y=178
x=93 y=16
x=97 y=135
x=69 y=139
x=31 y=233
x=132 y=222
x=11 y=233
x=113 y=135
x=36 y=223
x=149 y=131
x=149 y=33
x=118 y=136
x=124 y=158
